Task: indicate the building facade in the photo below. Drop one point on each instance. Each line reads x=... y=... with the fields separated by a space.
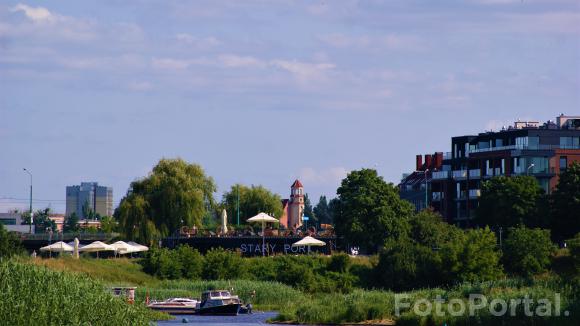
x=89 y=196
x=527 y=148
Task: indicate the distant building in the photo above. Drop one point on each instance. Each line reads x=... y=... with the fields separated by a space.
x=293 y=208
x=58 y=220
x=13 y=222
x=91 y=197
x=453 y=179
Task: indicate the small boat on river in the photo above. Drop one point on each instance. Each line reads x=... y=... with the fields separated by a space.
x=176 y=306
x=218 y=302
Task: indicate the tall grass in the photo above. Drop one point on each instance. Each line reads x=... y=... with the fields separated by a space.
x=32 y=295
x=269 y=295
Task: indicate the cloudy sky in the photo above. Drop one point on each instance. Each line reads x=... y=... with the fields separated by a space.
x=263 y=92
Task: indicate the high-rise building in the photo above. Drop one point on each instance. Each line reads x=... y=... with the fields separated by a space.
x=452 y=180
x=89 y=197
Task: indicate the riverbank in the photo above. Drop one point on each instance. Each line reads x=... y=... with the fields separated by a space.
x=358 y=306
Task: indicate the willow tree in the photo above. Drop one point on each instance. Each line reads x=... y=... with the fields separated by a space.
x=252 y=200
x=174 y=194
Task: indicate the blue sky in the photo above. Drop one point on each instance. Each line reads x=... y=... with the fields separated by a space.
x=263 y=92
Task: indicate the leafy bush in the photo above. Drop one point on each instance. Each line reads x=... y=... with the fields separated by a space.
x=339 y=263
x=527 y=251
x=163 y=263
x=9 y=243
x=191 y=262
x=222 y=264
x=574 y=247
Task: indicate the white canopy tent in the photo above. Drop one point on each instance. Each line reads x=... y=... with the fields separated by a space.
x=121 y=247
x=309 y=241
x=58 y=247
x=264 y=218
x=138 y=247
x=97 y=246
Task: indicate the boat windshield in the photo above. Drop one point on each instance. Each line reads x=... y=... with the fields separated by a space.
x=225 y=294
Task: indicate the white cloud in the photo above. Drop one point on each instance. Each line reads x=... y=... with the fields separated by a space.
x=36 y=14
x=388 y=41
x=324 y=177
x=304 y=71
x=170 y=64
x=235 y=61
x=198 y=42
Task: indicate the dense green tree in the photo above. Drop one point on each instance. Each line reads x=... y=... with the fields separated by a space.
x=527 y=251
x=429 y=229
x=370 y=211
x=322 y=211
x=574 y=248
x=191 y=262
x=174 y=194
x=474 y=256
x=108 y=224
x=510 y=201
x=42 y=222
x=9 y=243
x=71 y=223
x=253 y=200
x=565 y=204
x=334 y=209
x=309 y=211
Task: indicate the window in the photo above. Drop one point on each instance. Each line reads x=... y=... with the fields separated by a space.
x=534 y=142
x=521 y=142
x=569 y=142
x=499 y=143
x=563 y=163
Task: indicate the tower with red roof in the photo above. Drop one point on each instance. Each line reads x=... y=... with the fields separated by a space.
x=296 y=205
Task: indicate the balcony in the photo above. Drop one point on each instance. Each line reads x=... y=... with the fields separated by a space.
x=540 y=147
x=447 y=155
x=460 y=174
x=475 y=174
x=438 y=175
x=438 y=196
x=474 y=193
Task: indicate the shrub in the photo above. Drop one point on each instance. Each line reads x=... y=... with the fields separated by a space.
x=9 y=243
x=191 y=262
x=339 y=263
x=222 y=264
x=527 y=251
x=163 y=263
x=574 y=247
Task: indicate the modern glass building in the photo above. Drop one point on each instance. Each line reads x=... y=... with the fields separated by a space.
x=89 y=196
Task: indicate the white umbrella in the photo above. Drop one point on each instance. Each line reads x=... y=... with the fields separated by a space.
x=57 y=247
x=224 y=222
x=263 y=217
x=96 y=247
x=309 y=241
x=77 y=245
x=121 y=247
x=138 y=247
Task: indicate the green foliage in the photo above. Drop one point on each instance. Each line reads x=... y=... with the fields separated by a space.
x=429 y=229
x=41 y=221
x=222 y=264
x=9 y=243
x=370 y=211
x=71 y=223
x=253 y=200
x=191 y=262
x=574 y=248
x=174 y=194
x=339 y=263
x=309 y=211
x=108 y=224
x=527 y=251
x=322 y=211
x=33 y=295
x=472 y=257
x=510 y=201
x=163 y=263
x=565 y=205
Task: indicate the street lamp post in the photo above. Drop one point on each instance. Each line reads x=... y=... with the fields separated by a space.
x=31 y=215
x=529 y=167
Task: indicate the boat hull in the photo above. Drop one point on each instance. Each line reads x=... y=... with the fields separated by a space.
x=224 y=310
x=175 y=310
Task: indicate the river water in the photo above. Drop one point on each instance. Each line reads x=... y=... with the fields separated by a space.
x=257 y=318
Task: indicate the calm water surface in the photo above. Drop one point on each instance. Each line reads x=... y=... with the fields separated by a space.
x=257 y=318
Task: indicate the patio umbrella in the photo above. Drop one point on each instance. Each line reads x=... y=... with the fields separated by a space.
x=263 y=217
x=309 y=241
x=57 y=247
x=96 y=247
x=224 y=222
x=76 y=246
x=137 y=247
x=121 y=247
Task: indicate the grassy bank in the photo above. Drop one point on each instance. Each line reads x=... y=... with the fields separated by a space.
x=335 y=308
x=35 y=295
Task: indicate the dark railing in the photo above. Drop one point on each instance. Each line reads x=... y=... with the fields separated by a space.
x=68 y=236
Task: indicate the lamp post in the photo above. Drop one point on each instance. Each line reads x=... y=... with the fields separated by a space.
x=529 y=167
x=31 y=215
x=238 y=202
